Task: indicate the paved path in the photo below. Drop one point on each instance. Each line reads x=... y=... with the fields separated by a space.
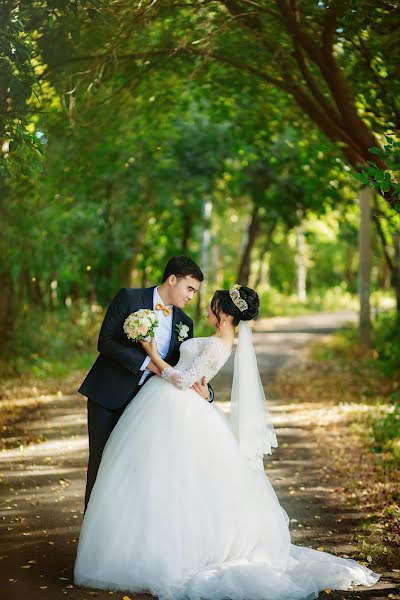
x=43 y=471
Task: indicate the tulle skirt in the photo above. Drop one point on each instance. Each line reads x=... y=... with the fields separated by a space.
x=177 y=512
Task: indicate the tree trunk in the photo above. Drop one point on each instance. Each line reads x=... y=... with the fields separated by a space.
x=186 y=229
x=349 y=272
x=364 y=273
x=392 y=262
x=396 y=272
x=264 y=249
x=301 y=266
x=108 y=237
x=53 y=297
x=75 y=293
x=133 y=275
x=36 y=292
x=205 y=243
x=93 y=295
x=218 y=270
x=385 y=277
x=9 y=308
x=252 y=234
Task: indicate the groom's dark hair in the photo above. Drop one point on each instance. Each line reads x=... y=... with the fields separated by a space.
x=182 y=266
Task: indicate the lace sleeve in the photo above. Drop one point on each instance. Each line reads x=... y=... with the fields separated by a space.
x=206 y=363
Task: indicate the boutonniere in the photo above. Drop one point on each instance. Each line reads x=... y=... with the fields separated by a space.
x=182 y=330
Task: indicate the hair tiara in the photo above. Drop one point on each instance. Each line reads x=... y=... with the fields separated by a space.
x=236 y=298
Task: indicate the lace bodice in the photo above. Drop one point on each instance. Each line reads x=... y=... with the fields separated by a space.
x=202 y=356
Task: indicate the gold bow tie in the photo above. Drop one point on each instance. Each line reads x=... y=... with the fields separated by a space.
x=167 y=311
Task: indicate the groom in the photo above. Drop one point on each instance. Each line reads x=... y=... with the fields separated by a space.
x=122 y=366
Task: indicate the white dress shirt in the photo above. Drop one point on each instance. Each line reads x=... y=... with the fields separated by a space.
x=162 y=334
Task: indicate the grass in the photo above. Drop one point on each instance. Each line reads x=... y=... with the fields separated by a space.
x=52 y=344
x=55 y=343
x=377 y=376
x=276 y=304
x=356 y=397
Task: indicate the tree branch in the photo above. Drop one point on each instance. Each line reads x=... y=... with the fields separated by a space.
x=328 y=32
x=383 y=239
x=360 y=134
x=327 y=125
x=318 y=94
x=262 y=9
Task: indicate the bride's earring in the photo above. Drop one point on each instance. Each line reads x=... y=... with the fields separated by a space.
x=224 y=323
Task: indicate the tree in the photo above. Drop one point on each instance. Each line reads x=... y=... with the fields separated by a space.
x=337 y=60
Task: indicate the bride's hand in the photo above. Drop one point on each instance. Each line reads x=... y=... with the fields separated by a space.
x=150 y=347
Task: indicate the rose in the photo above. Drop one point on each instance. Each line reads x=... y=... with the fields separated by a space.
x=140 y=325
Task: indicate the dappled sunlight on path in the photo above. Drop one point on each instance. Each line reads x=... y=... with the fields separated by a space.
x=43 y=467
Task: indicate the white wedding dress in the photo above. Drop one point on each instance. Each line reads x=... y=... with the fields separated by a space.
x=176 y=510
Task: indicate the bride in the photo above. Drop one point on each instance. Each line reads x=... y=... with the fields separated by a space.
x=181 y=507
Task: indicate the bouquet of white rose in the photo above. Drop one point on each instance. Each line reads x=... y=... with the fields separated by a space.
x=141 y=325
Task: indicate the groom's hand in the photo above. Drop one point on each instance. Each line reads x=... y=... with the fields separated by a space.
x=153 y=368
x=201 y=388
x=150 y=347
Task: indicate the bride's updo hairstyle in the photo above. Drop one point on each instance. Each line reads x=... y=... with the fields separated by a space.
x=222 y=302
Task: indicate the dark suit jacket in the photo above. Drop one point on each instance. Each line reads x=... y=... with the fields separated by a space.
x=113 y=379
